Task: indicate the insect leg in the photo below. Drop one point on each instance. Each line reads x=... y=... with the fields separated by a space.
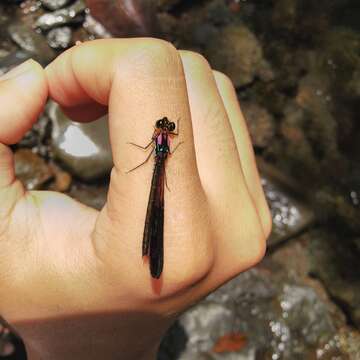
x=172 y=152
x=142 y=147
x=146 y=160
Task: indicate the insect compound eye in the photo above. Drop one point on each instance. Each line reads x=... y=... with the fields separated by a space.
x=171 y=126
x=159 y=123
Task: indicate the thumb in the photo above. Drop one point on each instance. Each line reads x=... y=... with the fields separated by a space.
x=23 y=94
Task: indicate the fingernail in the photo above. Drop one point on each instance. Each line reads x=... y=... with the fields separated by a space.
x=18 y=70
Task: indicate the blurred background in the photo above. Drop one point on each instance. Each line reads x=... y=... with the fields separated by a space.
x=296 y=67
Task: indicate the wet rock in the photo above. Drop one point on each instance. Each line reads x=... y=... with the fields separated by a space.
x=218 y=13
x=240 y=56
x=59 y=38
x=337 y=265
x=92 y=195
x=291 y=214
x=165 y=5
x=260 y=124
x=3 y=54
x=30 y=6
x=202 y=32
x=54 y=4
x=125 y=18
x=66 y=16
x=280 y=316
x=38 y=134
x=31 y=169
x=94 y=28
x=62 y=181
x=84 y=148
x=13 y=59
x=7 y=348
x=30 y=41
x=349 y=342
x=285 y=14
x=300 y=19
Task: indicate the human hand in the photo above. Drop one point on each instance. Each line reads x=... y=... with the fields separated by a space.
x=73 y=283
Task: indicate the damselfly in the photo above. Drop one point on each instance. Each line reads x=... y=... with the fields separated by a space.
x=153 y=239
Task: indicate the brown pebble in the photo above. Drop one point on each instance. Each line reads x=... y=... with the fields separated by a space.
x=62 y=181
x=31 y=169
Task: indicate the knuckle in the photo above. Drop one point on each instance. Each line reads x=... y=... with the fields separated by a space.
x=190 y=266
x=194 y=60
x=267 y=222
x=257 y=248
x=155 y=55
x=223 y=79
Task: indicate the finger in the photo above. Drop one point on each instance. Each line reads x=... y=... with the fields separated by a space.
x=244 y=147
x=23 y=93
x=86 y=112
x=141 y=80
x=240 y=238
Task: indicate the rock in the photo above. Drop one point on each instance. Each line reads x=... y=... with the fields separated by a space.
x=13 y=59
x=91 y=195
x=260 y=124
x=93 y=27
x=166 y=5
x=281 y=317
x=31 y=169
x=38 y=134
x=54 y=4
x=236 y=52
x=59 y=38
x=284 y=15
x=30 y=41
x=3 y=54
x=173 y=343
x=336 y=264
x=84 y=148
x=7 y=348
x=30 y=6
x=66 y=16
x=291 y=214
x=125 y=18
x=63 y=179
x=202 y=32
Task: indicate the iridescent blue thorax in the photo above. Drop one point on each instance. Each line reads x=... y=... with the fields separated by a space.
x=162 y=143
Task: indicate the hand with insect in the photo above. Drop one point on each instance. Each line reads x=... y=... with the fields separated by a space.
x=73 y=281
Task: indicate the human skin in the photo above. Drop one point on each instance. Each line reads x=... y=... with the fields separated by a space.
x=73 y=283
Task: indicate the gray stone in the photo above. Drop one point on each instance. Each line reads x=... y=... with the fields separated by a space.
x=30 y=41
x=290 y=213
x=13 y=59
x=282 y=317
x=37 y=135
x=84 y=148
x=206 y=323
x=69 y=15
x=335 y=261
x=94 y=28
x=125 y=18
x=54 y=4
x=59 y=38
